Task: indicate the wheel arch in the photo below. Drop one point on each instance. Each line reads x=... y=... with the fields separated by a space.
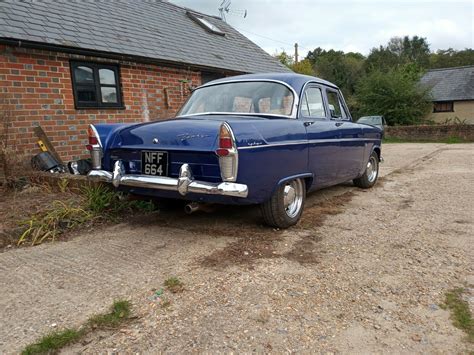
x=377 y=150
x=307 y=177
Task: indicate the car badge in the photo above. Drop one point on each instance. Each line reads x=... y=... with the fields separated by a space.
x=155 y=141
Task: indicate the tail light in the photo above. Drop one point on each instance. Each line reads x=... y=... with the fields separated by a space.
x=93 y=139
x=227 y=153
x=95 y=147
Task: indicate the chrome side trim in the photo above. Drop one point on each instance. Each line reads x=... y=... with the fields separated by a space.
x=312 y=141
x=184 y=184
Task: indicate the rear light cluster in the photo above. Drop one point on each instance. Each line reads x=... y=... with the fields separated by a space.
x=94 y=147
x=93 y=139
x=227 y=153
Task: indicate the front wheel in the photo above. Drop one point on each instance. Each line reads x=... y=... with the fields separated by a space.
x=286 y=205
x=371 y=173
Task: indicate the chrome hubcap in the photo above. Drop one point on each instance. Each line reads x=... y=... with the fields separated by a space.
x=293 y=198
x=372 y=170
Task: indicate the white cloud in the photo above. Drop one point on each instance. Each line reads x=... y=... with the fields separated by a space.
x=357 y=25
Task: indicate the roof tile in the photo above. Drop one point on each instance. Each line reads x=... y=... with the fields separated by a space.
x=156 y=29
x=450 y=84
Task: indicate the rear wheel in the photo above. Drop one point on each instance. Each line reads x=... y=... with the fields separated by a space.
x=371 y=173
x=286 y=205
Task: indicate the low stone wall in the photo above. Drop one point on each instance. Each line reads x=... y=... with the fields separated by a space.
x=431 y=133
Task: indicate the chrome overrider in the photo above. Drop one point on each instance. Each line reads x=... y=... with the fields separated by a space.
x=184 y=184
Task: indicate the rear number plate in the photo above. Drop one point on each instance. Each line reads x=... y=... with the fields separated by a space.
x=155 y=163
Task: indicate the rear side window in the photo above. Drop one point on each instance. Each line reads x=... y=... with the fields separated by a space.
x=335 y=106
x=312 y=105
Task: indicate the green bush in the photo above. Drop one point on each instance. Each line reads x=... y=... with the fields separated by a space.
x=395 y=94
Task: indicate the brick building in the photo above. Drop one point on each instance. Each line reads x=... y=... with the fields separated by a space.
x=65 y=64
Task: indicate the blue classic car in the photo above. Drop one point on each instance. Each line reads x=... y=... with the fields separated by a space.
x=263 y=139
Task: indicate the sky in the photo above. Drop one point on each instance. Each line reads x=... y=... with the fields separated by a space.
x=357 y=25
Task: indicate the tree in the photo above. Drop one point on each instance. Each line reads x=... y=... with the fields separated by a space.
x=446 y=58
x=398 y=52
x=342 y=69
x=284 y=58
x=395 y=94
x=302 y=67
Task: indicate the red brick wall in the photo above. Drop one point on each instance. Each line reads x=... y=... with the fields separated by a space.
x=37 y=86
x=431 y=133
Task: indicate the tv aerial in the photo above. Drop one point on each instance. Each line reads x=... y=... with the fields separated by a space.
x=224 y=9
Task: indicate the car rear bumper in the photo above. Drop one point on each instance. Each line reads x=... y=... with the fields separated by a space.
x=184 y=184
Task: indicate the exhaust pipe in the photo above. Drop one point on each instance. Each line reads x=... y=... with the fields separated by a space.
x=192 y=207
x=196 y=206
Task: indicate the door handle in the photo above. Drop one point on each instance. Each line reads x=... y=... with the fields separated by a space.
x=338 y=124
x=308 y=123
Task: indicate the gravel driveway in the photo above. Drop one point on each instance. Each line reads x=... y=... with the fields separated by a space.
x=363 y=272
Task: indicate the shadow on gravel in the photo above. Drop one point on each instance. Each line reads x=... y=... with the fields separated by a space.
x=254 y=240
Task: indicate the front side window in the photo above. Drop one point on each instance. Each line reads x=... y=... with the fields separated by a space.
x=335 y=106
x=255 y=97
x=95 y=85
x=312 y=103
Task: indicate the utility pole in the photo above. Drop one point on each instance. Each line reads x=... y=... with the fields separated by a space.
x=296 y=52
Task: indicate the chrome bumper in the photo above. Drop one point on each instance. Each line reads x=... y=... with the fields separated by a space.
x=184 y=184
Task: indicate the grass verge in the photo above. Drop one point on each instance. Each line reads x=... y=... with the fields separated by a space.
x=460 y=312
x=51 y=343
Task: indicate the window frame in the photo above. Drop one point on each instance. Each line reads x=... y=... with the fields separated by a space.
x=97 y=104
x=303 y=100
x=449 y=103
x=342 y=105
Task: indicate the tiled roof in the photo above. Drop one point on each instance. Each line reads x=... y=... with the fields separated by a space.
x=157 y=30
x=450 y=84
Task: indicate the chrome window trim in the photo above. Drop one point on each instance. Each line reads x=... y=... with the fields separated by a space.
x=294 y=108
x=319 y=86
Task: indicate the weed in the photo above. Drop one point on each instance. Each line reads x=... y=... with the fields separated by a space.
x=460 y=312
x=101 y=200
x=141 y=205
x=46 y=226
x=174 y=284
x=120 y=310
x=53 y=342
x=63 y=184
x=165 y=303
x=453 y=140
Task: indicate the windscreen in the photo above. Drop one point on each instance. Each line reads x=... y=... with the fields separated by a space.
x=254 y=97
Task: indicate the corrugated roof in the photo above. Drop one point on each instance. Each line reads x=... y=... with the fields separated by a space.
x=157 y=30
x=450 y=84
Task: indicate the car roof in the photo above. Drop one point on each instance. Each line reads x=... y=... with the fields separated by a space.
x=295 y=81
